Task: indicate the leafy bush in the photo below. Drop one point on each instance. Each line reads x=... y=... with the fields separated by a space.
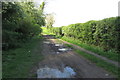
x=21 y=21
x=104 y=33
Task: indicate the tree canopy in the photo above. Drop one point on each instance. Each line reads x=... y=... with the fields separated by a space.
x=21 y=21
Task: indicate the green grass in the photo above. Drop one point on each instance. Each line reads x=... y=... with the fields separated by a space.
x=110 y=55
x=46 y=31
x=99 y=62
x=68 y=45
x=17 y=63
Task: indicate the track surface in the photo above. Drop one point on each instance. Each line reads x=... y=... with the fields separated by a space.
x=59 y=60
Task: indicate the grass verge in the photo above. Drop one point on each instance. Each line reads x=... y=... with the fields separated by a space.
x=17 y=63
x=46 y=31
x=110 y=55
x=99 y=62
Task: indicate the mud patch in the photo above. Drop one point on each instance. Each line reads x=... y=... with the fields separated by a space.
x=67 y=72
x=58 y=48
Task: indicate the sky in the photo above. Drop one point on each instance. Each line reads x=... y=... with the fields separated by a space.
x=80 y=11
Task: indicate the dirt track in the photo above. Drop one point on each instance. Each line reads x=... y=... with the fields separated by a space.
x=92 y=53
x=58 y=60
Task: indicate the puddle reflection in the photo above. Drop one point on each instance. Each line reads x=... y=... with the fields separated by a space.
x=67 y=72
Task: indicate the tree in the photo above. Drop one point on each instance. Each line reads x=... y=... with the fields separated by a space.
x=49 y=20
x=21 y=21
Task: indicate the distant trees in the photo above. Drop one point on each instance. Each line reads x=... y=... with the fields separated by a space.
x=104 y=33
x=49 y=20
x=20 y=22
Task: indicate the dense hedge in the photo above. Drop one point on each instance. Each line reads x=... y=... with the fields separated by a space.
x=20 y=22
x=103 y=33
x=56 y=30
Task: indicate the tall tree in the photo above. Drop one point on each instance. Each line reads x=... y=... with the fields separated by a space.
x=49 y=20
x=21 y=21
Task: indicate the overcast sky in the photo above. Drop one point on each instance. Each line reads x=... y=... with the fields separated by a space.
x=79 y=11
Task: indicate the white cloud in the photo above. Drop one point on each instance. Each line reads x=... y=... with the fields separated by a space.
x=79 y=11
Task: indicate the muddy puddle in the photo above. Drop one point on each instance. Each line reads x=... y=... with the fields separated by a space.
x=46 y=42
x=58 y=45
x=47 y=72
x=64 y=49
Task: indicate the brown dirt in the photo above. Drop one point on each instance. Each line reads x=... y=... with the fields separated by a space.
x=83 y=67
x=95 y=54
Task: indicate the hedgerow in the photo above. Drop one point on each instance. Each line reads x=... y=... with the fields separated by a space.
x=103 y=33
x=20 y=22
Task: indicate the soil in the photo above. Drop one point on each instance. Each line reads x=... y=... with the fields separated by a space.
x=95 y=54
x=55 y=59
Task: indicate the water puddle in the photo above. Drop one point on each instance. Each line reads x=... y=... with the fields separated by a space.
x=46 y=42
x=58 y=44
x=67 y=72
x=64 y=49
x=57 y=52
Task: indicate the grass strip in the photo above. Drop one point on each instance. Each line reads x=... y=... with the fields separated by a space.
x=110 y=55
x=99 y=62
x=17 y=63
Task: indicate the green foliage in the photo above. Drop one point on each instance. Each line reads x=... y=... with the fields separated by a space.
x=109 y=67
x=49 y=21
x=104 y=33
x=21 y=60
x=21 y=21
x=81 y=31
x=99 y=62
x=98 y=50
x=56 y=30
x=46 y=31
